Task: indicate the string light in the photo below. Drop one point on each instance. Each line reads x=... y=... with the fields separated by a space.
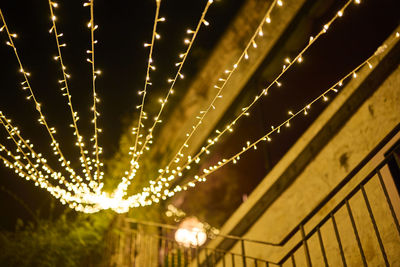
x=85 y=160
x=77 y=194
x=38 y=107
x=179 y=155
x=173 y=81
x=22 y=143
x=135 y=156
x=97 y=149
x=245 y=110
x=267 y=137
x=142 y=114
x=32 y=173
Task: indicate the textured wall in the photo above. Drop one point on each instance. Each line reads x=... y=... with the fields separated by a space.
x=376 y=117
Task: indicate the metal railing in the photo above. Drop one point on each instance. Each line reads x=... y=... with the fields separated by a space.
x=152 y=244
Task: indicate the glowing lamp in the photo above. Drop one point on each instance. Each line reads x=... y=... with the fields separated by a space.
x=191 y=233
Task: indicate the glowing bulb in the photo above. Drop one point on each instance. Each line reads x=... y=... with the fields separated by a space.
x=268 y=20
x=300 y=59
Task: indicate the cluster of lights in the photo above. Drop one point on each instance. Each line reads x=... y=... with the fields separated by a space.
x=84 y=159
x=275 y=130
x=123 y=186
x=183 y=56
x=159 y=187
x=26 y=86
x=222 y=81
x=89 y=197
x=285 y=124
x=15 y=135
x=30 y=171
x=147 y=82
x=95 y=72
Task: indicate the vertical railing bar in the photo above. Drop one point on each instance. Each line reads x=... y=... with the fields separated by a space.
x=396 y=222
x=338 y=239
x=293 y=260
x=173 y=254
x=255 y=263
x=233 y=260
x=353 y=223
x=243 y=253
x=214 y=258
x=130 y=248
x=184 y=256
x=223 y=260
x=371 y=215
x=144 y=250
x=151 y=256
x=189 y=256
x=179 y=255
x=266 y=264
x=197 y=250
x=207 y=259
x=135 y=250
x=166 y=259
x=148 y=250
x=162 y=249
x=159 y=245
x=197 y=256
x=321 y=244
x=306 y=250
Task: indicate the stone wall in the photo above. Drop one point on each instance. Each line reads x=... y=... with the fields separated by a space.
x=378 y=114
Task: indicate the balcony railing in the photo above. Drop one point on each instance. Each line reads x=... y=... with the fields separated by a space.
x=153 y=244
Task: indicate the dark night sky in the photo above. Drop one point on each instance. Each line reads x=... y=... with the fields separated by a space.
x=123 y=28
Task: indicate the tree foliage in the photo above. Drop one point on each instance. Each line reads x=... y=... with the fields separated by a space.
x=63 y=242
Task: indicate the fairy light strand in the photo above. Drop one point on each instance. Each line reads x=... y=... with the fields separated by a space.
x=97 y=149
x=229 y=128
x=38 y=176
x=220 y=87
x=147 y=82
x=82 y=199
x=26 y=171
x=38 y=107
x=173 y=81
x=84 y=160
x=267 y=137
x=22 y=143
x=123 y=185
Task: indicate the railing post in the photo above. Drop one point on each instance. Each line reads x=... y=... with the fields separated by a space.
x=353 y=223
x=321 y=244
x=371 y=216
x=197 y=250
x=388 y=200
x=306 y=251
x=243 y=253
x=338 y=239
